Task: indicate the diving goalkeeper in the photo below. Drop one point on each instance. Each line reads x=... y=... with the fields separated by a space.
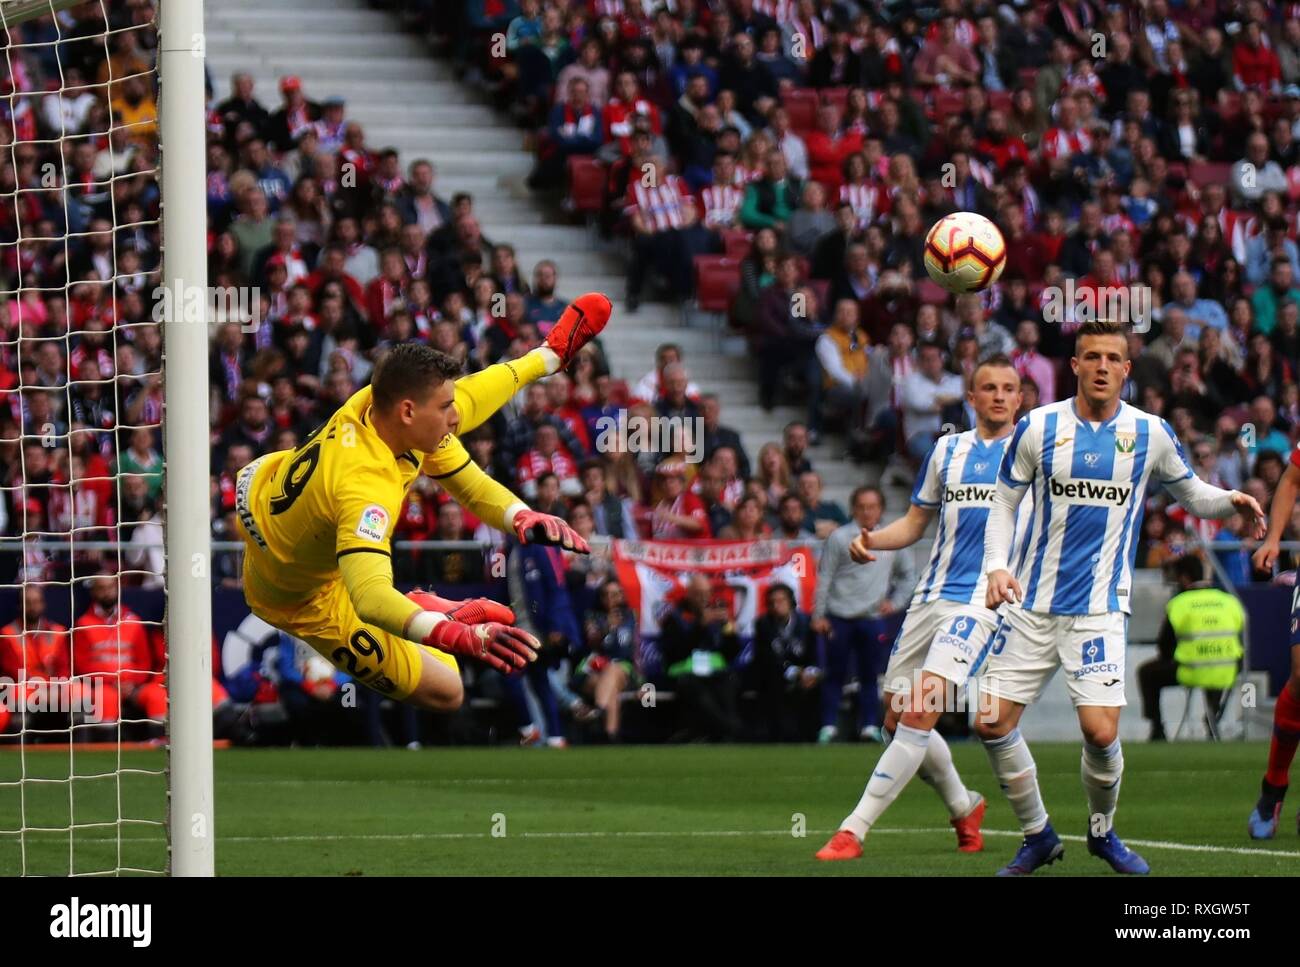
x=317 y=521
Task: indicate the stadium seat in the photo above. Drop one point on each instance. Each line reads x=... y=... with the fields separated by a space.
x=735 y=243
x=717 y=280
x=801 y=103
x=1209 y=172
x=948 y=103
x=1000 y=100
x=586 y=184
x=839 y=96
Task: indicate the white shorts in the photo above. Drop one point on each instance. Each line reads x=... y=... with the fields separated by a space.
x=945 y=638
x=1029 y=646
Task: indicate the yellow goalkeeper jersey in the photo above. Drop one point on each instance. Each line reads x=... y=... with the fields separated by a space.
x=340 y=493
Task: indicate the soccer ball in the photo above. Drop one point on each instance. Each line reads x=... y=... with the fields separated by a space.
x=965 y=252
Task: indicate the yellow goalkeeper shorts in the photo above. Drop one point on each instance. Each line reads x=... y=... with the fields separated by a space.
x=328 y=622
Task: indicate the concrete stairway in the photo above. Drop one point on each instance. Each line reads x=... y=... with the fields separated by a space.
x=407 y=99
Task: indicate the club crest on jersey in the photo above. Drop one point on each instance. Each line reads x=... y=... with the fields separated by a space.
x=1125 y=441
x=374 y=523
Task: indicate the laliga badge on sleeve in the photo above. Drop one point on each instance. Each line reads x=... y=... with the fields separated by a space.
x=373 y=524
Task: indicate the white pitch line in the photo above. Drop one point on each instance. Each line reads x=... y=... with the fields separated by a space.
x=708 y=833
x=1165 y=844
x=665 y=834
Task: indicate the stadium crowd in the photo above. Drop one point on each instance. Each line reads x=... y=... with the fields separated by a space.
x=1149 y=148
x=814 y=141
x=346 y=251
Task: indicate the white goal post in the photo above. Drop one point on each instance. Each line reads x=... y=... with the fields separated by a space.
x=181 y=117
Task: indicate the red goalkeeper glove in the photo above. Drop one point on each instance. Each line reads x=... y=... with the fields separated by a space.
x=504 y=648
x=534 y=528
x=475 y=611
x=479 y=628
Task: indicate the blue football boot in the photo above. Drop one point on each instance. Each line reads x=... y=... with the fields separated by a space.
x=1121 y=859
x=1040 y=849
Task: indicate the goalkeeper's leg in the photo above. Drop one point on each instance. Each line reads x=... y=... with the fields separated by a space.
x=387 y=663
x=480 y=395
x=401 y=669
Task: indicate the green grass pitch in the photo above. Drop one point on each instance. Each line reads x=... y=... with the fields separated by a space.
x=633 y=810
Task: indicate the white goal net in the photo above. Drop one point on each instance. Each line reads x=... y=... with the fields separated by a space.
x=83 y=657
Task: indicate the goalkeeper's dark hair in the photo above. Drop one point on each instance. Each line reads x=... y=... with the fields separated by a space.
x=409 y=371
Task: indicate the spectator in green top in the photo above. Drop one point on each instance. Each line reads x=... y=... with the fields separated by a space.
x=770 y=201
x=141 y=458
x=1268 y=299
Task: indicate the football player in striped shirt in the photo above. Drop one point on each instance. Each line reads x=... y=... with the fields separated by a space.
x=948 y=626
x=1088 y=462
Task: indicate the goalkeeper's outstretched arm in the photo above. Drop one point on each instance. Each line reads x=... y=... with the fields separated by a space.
x=497 y=506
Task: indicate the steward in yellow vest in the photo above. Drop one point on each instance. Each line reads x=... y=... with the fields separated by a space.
x=1200 y=644
x=1207 y=626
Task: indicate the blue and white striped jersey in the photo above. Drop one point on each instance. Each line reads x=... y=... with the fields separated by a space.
x=958 y=480
x=1088 y=483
